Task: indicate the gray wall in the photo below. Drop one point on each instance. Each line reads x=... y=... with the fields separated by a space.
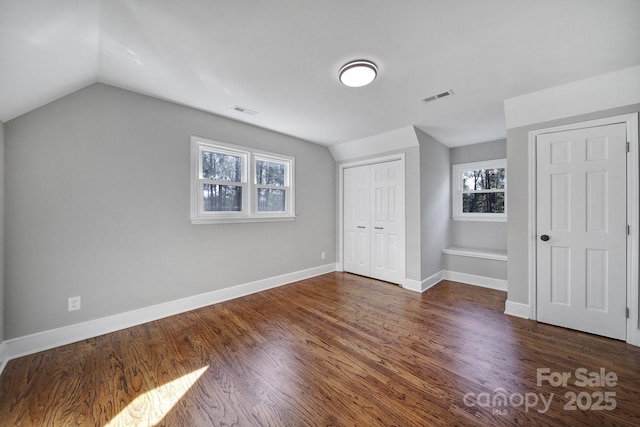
x=413 y=223
x=479 y=234
x=476 y=266
x=1 y=232
x=518 y=198
x=97 y=197
x=435 y=202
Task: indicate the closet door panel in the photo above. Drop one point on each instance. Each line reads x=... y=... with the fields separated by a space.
x=356 y=204
x=387 y=193
x=374 y=226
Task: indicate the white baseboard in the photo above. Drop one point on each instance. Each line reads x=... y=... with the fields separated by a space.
x=412 y=285
x=633 y=335
x=417 y=286
x=432 y=280
x=517 y=309
x=471 y=279
x=29 y=344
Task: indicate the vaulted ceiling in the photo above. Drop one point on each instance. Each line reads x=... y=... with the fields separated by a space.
x=280 y=58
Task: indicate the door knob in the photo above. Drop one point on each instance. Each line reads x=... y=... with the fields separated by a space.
x=544 y=238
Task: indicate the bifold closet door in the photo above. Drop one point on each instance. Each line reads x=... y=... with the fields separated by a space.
x=387 y=221
x=374 y=221
x=356 y=220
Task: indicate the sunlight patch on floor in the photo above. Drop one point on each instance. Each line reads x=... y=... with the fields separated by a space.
x=150 y=408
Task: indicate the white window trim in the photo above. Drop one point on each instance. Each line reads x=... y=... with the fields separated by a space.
x=248 y=183
x=456 y=193
x=288 y=165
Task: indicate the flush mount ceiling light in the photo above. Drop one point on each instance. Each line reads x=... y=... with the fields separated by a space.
x=358 y=73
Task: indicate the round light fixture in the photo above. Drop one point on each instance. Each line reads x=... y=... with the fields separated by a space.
x=358 y=73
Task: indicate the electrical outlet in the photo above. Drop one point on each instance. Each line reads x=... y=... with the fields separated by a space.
x=74 y=303
x=323 y=255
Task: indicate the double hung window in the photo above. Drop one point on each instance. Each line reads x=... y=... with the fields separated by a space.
x=480 y=191
x=237 y=184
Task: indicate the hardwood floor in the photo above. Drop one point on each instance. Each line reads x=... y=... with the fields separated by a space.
x=335 y=350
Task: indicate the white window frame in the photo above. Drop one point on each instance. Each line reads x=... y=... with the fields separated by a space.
x=249 y=157
x=457 y=191
x=288 y=164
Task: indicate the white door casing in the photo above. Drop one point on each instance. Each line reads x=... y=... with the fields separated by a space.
x=374 y=221
x=582 y=209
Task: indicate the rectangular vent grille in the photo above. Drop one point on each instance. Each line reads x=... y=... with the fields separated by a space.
x=243 y=110
x=438 y=96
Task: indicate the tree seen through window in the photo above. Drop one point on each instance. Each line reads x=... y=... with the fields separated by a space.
x=483 y=191
x=270 y=174
x=222 y=167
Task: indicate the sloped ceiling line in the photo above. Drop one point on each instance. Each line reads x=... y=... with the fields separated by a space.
x=282 y=57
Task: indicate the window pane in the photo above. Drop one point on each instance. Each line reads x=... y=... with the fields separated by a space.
x=222 y=198
x=483 y=203
x=483 y=179
x=271 y=200
x=221 y=167
x=269 y=173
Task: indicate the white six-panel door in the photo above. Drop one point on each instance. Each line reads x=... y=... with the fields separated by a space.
x=374 y=225
x=356 y=220
x=582 y=229
x=387 y=221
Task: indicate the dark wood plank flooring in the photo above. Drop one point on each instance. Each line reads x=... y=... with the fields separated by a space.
x=335 y=350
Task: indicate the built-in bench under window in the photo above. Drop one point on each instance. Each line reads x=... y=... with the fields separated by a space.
x=477 y=253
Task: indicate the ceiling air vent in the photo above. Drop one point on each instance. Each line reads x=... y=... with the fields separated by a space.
x=243 y=110
x=438 y=96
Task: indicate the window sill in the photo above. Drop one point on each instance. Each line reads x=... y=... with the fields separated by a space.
x=480 y=218
x=241 y=220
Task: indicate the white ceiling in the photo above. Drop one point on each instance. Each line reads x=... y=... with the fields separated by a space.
x=281 y=57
